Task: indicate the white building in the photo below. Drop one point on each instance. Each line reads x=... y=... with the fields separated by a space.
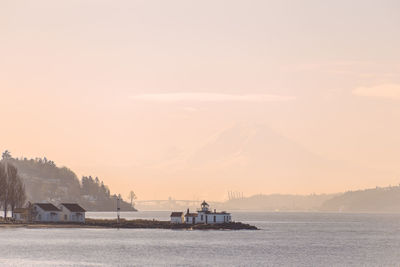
x=204 y=215
x=191 y=217
x=20 y=214
x=45 y=212
x=72 y=212
x=177 y=217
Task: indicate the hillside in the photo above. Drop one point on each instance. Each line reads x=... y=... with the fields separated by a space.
x=385 y=199
x=44 y=181
x=376 y=200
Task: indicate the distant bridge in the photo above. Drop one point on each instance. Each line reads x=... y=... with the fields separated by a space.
x=172 y=201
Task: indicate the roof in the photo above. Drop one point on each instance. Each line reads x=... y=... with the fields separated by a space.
x=47 y=206
x=20 y=210
x=73 y=207
x=191 y=215
x=213 y=212
x=176 y=214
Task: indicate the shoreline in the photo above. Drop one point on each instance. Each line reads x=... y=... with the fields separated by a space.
x=129 y=224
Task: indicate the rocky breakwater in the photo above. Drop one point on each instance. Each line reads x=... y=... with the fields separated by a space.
x=154 y=224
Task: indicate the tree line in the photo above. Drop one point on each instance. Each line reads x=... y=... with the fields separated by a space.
x=12 y=189
x=94 y=187
x=45 y=181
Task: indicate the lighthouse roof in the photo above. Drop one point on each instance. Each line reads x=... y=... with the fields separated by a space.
x=204 y=203
x=191 y=215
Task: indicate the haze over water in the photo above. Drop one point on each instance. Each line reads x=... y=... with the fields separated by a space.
x=285 y=239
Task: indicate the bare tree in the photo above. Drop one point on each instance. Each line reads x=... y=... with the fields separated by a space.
x=132 y=196
x=21 y=194
x=6 y=188
x=17 y=194
x=3 y=184
x=11 y=177
x=12 y=190
x=12 y=185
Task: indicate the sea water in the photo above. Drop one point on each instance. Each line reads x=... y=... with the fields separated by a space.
x=284 y=239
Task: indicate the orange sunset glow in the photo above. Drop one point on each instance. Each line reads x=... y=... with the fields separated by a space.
x=192 y=99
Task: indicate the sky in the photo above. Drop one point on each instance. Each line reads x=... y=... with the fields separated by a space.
x=140 y=92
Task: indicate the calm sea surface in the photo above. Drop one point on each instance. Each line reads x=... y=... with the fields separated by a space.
x=285 y=239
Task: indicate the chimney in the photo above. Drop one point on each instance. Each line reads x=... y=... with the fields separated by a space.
x=215 y=210
x=187 y=211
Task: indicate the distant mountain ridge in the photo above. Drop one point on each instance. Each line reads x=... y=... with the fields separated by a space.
x=373 y=200
x=379 y=199
x=45 y=182
x=263 y=157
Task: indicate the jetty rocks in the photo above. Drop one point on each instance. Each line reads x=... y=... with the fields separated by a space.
x=154 y=224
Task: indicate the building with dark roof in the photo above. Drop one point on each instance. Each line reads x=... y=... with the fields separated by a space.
x=72 y=212
x=45 y=212
x=20 y=214
x=177 y=217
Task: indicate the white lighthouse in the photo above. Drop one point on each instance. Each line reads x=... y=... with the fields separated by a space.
x=204 y=215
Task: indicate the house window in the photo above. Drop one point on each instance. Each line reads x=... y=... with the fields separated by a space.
x=215 y=218
x=201 y=217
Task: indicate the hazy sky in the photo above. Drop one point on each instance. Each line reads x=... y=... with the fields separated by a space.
x=131 y=90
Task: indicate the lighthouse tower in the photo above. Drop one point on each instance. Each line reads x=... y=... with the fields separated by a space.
x=204 y=206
